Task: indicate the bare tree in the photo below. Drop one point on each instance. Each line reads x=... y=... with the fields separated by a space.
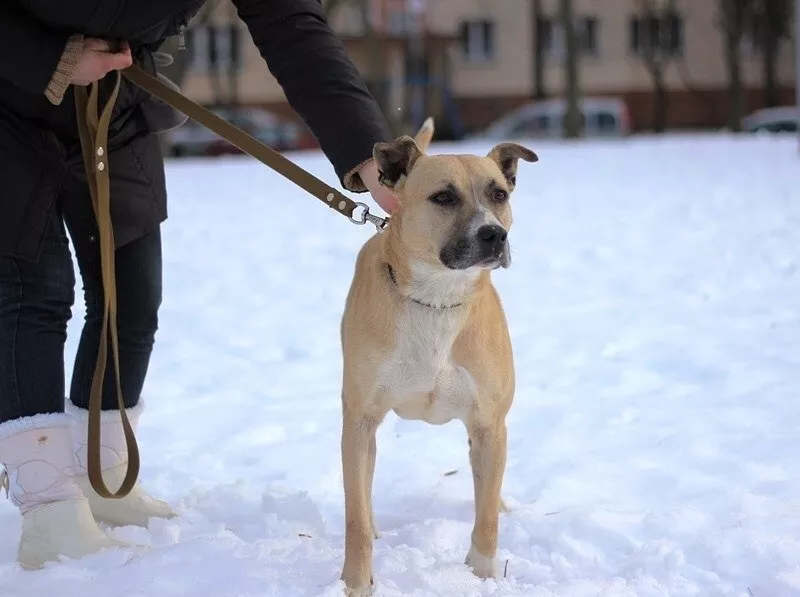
x=770 y=24
x=656 y=41
x=176 y=59
x=537 y=30
x=572 y=124
x=232 y=67
x=375 y=50
x=219 y=72
x=733 y=16
x=376 y=56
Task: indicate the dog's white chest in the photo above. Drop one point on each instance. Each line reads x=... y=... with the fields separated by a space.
x=420 y=379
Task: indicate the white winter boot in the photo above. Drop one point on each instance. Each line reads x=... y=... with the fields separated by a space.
x=137 y=507
x=39 y=462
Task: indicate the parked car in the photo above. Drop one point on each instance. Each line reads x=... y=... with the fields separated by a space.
x=193 y=139
x=780 y=119
x=601 y=116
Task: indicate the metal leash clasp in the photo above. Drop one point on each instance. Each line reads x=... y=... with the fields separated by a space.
x=377 y=221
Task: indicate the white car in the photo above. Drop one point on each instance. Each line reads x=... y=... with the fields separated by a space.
x=781 y=119
x=602 y=117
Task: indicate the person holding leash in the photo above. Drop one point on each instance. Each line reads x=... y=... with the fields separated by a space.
x=46 y=48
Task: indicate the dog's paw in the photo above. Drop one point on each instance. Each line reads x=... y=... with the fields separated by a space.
x=358 y=581
x=482 y=566
x=359 y=591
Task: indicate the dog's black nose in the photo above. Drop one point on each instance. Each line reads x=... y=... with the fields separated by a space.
x=492 y=236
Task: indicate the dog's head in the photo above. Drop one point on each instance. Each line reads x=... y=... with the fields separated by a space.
x=454 y=209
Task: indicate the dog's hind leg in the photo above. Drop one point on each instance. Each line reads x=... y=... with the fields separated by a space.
x=358 y=449
x=487 y=455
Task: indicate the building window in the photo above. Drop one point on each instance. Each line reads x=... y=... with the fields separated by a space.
x=402 y=19
x=397 y=22
x=587 y=35
x=478 y=41
x=550 y=36
x=214 y=48
x=657 y=35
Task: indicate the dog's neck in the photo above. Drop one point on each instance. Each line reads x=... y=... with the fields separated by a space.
x=431 y=287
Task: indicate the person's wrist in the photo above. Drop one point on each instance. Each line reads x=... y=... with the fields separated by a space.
x=62 y=76
x=383 y=196
x=368 y=172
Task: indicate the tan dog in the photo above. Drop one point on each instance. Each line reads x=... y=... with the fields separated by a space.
x=424 y=334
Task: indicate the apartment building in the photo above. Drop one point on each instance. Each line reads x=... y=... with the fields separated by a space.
x=467 y=62
x=613 y=39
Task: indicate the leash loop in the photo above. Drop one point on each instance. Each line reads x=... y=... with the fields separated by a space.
x=93 y=128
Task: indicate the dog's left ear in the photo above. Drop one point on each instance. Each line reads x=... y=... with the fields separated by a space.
x=506 y=155
x=395 y=159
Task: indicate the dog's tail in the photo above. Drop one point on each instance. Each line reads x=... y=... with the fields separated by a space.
x=425 y=134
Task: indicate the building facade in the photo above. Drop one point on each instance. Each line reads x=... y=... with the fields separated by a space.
x=467 y=62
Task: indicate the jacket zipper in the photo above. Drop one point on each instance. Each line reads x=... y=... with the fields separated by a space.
x=182 y=37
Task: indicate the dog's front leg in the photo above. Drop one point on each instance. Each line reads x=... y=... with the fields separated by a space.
x=373 y=452
x=487 y=455
x=358 y=440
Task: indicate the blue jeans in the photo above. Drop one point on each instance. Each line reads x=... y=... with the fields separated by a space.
x=36 y=301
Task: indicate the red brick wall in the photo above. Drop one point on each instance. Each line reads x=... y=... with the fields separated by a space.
x=701 y=109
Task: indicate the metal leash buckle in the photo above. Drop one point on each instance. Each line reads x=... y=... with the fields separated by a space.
x=377 y=221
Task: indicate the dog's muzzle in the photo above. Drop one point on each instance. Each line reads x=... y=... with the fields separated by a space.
x=487 y=248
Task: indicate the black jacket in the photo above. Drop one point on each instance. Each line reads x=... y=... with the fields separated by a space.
x=39 y=146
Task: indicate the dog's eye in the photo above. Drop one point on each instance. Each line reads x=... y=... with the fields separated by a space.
x=499 y=195
x=445 y=198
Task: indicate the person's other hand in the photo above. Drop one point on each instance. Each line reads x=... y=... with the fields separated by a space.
x=382 y=195
x=97 y=60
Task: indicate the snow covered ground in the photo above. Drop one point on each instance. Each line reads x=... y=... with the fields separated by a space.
x=654 y=445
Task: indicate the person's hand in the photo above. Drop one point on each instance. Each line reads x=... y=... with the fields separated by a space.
x=97 y=60
x=382 y=195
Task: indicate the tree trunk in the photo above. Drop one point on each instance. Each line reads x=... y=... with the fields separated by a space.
x=572 y=124
x=233 y=70
x=539 y=90
x=656 y=59
x=735 y=92
x=775 y=16
x=376 y=58
x=770 y=83
x=732 y=26
x=660 y=104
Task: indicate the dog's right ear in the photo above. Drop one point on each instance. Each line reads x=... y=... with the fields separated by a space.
x=395 y=159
